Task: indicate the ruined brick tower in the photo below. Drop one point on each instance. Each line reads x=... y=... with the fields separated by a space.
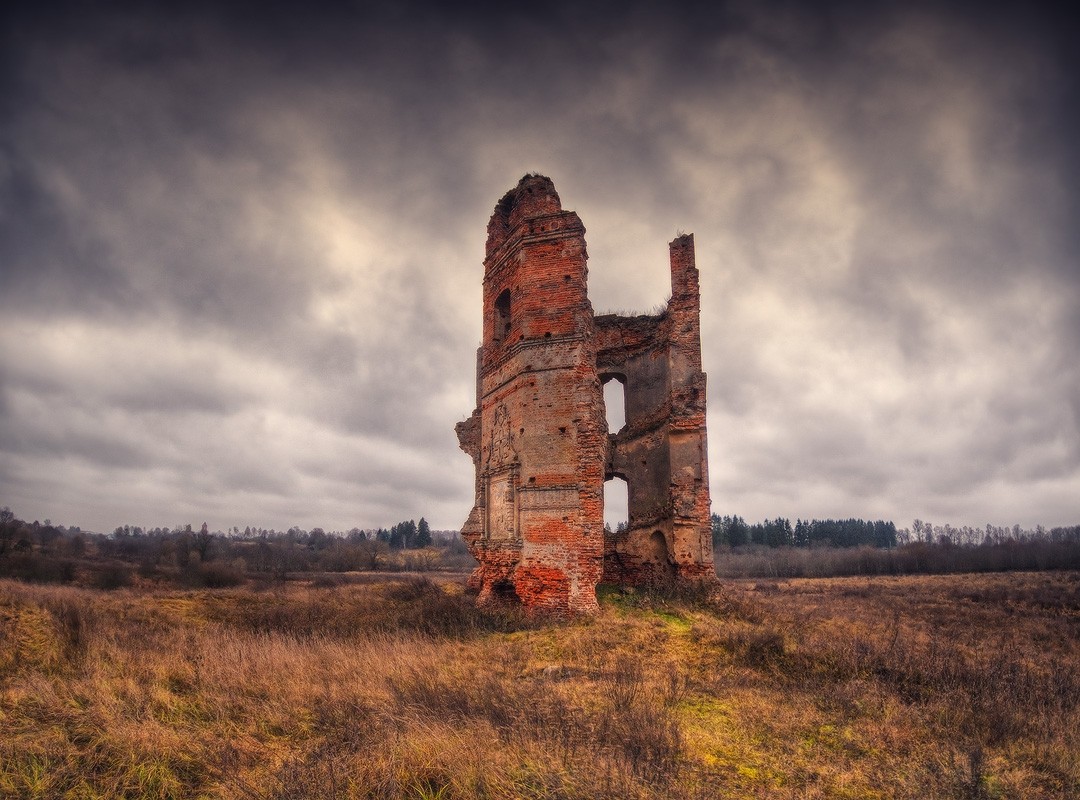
x=539 y=439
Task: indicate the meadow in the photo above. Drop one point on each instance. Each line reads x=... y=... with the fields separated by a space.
x=958 y=686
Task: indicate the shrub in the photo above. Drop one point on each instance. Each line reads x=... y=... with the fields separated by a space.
x=112 y=576
x=214 y=576
x=36 y=567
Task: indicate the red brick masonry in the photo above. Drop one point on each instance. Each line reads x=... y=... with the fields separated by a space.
x=539 y=439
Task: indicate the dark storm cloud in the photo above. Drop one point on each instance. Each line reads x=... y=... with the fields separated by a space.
x=939 y=284
x=241 y=247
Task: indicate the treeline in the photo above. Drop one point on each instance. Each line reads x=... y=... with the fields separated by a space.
x=827 y=548
x=733 y=531
x=43 y=552
x=407 y=535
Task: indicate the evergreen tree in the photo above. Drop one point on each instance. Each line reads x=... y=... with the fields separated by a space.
x=731 y=531
x=408 y=533
x=802 y=533
x=423 y=533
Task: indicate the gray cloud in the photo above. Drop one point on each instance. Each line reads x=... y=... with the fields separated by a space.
x=241 y=248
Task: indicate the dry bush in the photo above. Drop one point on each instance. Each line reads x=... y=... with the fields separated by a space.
x=112 y=576
x=757 y=647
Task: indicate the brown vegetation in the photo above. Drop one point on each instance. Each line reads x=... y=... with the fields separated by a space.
x=960 y=686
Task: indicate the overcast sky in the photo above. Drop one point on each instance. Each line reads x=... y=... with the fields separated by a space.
x=241 y=246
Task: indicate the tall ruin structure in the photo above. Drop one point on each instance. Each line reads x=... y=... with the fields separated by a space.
x=539 y=438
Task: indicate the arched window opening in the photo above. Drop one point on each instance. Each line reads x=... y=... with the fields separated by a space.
x=616 y=504
x=615 y=402
x=502 y=315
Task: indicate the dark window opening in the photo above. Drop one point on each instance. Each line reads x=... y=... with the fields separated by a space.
x=502 y=315
x=503 y=593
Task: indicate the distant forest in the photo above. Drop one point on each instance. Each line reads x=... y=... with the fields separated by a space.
x=825 y=548
x=734 y=531
x=44 y=552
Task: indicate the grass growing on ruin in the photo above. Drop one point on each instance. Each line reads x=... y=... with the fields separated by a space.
x=960 y=686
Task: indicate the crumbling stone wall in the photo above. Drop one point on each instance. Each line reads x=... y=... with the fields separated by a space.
x=538 y=437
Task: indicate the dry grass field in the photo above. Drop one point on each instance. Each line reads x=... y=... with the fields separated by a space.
x=913 y=687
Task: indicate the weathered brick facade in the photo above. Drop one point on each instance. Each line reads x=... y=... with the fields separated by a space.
x=539 y=439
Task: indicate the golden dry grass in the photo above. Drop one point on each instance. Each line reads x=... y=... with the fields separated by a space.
x=953 y=687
